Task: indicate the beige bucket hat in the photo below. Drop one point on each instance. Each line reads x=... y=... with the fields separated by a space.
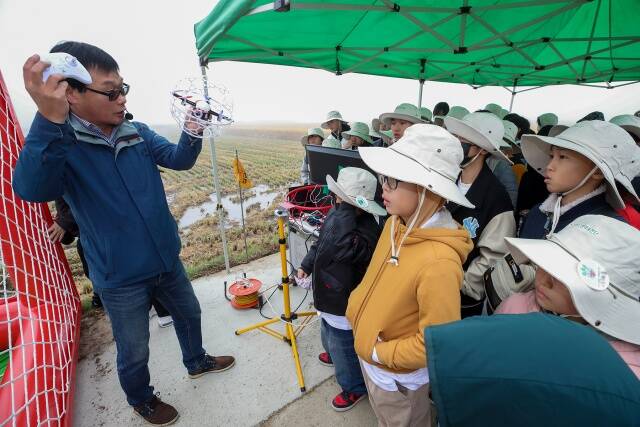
x=331 y=115
x=482 y=129
x=596 y=258
x=628 y=122
x=557 y=130
x=357 y=187
x=426 y=155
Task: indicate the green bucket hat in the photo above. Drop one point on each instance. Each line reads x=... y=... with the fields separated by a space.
x=311 y=132
x=426 y=114
x=406 y=111
x=360 y=130
x=458 y=112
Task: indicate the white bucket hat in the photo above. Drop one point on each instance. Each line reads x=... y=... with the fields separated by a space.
x=458 y=112
x=608 y=146
x=331 y=115
x=408 y=112
x=425 y=114
x=547 y=119
x=331 y=142
x=495 y=109
x=510 y=132
x=358 y=188
x=482 y=129
x=628 y=122
x=557 y=130
x=426 y=155
x=359 y=129
x=312 y=132
x=596 y=258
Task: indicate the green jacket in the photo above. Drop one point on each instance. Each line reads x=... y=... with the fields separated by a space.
x=528 y=370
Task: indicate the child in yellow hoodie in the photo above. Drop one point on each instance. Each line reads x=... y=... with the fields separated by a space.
x=415 y=275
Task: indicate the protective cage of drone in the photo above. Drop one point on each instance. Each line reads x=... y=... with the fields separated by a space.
x=198 y=104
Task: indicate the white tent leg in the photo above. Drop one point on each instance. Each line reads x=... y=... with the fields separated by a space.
x=216 y=184
x=420 y=94
x=513 y=95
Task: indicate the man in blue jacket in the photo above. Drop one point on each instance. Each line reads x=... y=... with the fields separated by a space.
x=82 y=147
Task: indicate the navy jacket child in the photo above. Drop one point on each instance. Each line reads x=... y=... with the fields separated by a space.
x=582 y=167
x=338 y=261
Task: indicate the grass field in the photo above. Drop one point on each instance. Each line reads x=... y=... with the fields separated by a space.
x=271 y=155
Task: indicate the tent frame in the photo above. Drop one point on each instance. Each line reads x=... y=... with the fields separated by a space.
x=466 y=69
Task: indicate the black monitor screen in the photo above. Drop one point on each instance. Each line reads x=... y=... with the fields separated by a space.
x=325 y=161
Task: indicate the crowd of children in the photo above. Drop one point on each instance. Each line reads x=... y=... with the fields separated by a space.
x=481 y=215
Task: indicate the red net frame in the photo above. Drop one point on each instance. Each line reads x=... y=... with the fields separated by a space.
x=39 y=304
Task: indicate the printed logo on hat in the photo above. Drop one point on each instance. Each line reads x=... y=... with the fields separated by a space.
x=472 y=225
x=593 y=275
x=362 y=202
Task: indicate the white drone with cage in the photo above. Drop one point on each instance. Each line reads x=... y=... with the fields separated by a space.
x=197 y=100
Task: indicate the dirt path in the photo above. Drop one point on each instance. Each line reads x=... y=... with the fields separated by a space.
x=95 y=333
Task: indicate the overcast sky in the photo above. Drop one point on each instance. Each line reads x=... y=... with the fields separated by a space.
x=154 y=45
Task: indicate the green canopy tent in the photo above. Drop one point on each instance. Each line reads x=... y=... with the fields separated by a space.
x=517 y=44
x=509 y=43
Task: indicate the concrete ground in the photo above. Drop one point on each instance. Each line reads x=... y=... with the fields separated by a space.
x=261 y=388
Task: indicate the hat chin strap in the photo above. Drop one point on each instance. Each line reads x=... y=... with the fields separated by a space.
x=395 y=255
x=557 y=207
x=464 y=165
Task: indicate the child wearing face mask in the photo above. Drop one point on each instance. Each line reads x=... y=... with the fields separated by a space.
x=491 y=220
x=587 y=272
x=415 y=273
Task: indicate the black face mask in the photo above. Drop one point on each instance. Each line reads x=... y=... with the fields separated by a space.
x=465 y=153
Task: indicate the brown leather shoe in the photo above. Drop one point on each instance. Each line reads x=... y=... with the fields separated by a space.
x=156 y=412
x=213 y=364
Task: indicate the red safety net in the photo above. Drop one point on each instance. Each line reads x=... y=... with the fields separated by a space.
x=39 y=304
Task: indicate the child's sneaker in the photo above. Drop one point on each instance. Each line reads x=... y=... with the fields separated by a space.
x=165 y=322
x=325 y=359
x=345 y=401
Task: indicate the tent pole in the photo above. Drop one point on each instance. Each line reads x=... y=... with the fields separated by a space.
x=216 y=181
x=513 y=95
x=423 y=63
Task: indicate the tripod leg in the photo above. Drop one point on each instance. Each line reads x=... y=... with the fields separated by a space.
x=296 y=357
x=287 y=300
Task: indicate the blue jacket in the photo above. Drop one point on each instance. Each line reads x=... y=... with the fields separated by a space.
x=115 y=194
x=538 y=224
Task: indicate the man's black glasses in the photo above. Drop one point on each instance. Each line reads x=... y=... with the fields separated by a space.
x=112 y=94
